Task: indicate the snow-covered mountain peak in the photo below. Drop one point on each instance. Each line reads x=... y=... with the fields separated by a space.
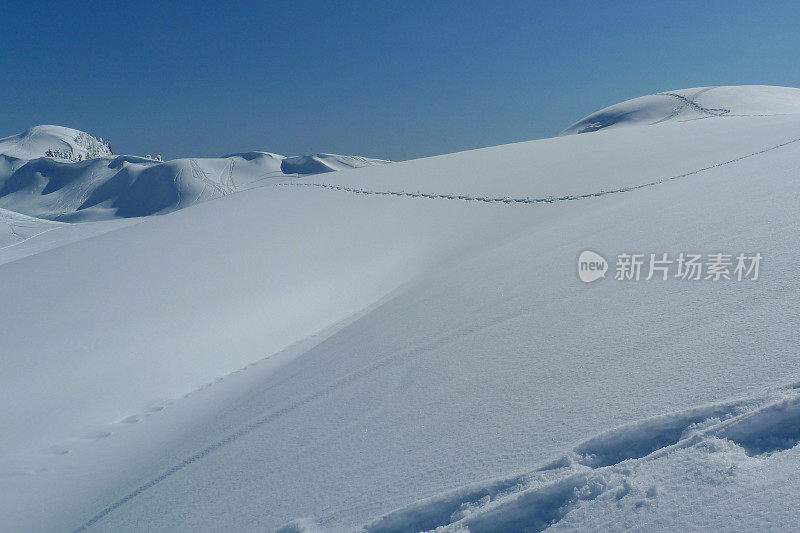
x=58 y=142
x=692 y=104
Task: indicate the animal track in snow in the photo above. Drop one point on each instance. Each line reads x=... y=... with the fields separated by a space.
x=529 y=200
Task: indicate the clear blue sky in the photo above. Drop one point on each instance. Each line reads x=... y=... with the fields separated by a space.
x=389 y=79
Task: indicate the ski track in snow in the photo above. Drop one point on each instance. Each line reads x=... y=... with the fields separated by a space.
x=15 y=222
x=600 y=468
x=200 y=174
x=686 y=102
x=528 y=200
x=689 y=101
x=178 y=188
x=228 y=180
x=515 y=499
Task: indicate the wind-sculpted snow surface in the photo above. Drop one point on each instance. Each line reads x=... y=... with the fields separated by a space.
x=693 y=104
x=407 y=347
x=91 y=184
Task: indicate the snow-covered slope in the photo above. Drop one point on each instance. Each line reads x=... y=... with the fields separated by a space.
x=54 y=141
x=693 y=104
x=90 y=184
x=16 y=228
x=406 y=347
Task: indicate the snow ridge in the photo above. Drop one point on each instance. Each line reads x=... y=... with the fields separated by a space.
x=528 y=200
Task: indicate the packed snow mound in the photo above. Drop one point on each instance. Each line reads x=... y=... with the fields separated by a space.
x=693 y=104
x=54 y=141
x=321 y=163
x=67 y=175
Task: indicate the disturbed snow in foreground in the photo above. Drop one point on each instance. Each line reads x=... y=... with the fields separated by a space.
x=408 y=347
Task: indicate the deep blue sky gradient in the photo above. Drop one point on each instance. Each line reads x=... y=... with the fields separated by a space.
x=388 y=79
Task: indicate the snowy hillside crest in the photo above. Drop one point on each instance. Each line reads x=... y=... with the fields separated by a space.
x=56 y=142
x=64 y=174
x=692 y=104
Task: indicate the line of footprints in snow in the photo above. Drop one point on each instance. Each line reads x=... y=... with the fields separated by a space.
x=68 y=447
